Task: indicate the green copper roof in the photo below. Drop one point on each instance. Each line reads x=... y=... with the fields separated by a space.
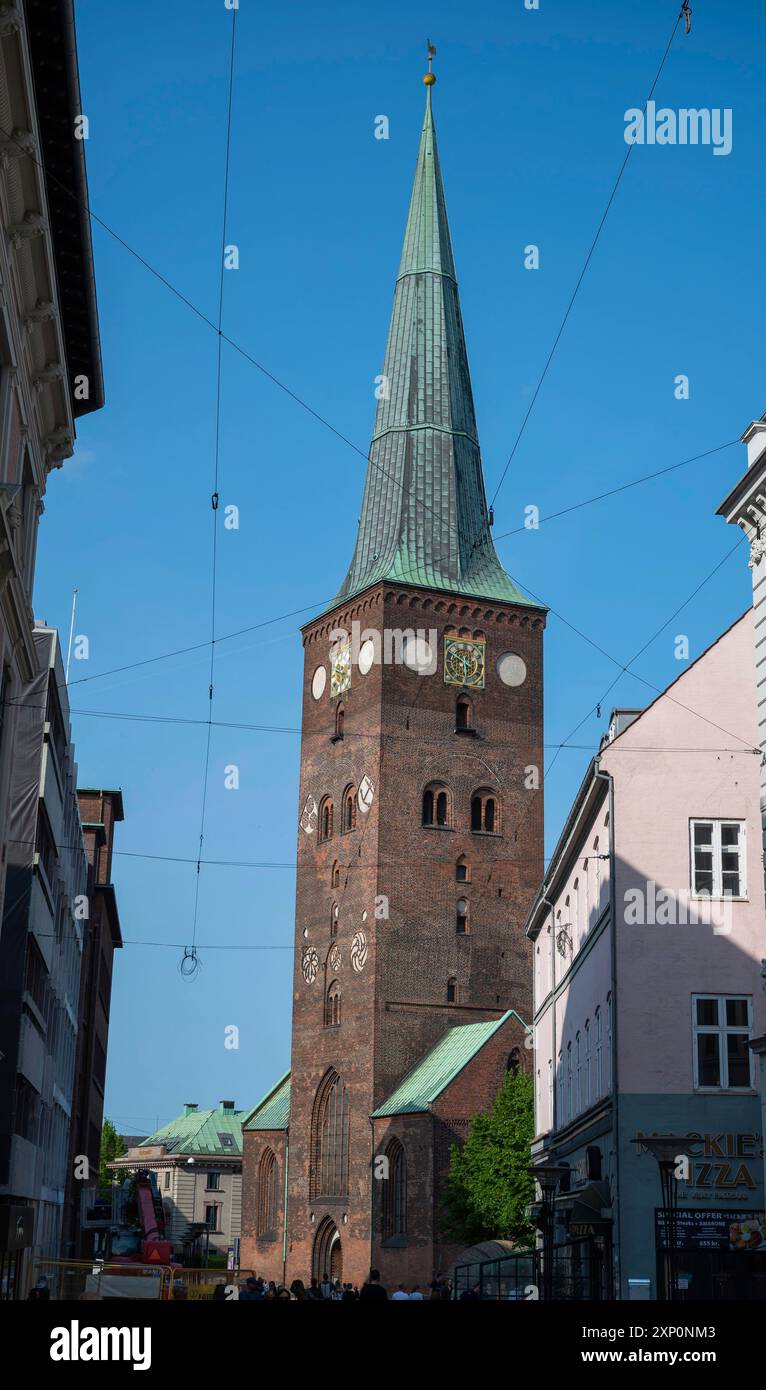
x=439 y=1067
x=424 y=515
x=273 y=1112
x=202 y=1132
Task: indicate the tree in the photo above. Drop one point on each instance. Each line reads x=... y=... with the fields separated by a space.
x=489 y=1184
x=112 y=1146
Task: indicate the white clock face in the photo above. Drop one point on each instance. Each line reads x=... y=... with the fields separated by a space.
x=511 y=669
x=418 y=655
x=318 y=682
x=366 y=656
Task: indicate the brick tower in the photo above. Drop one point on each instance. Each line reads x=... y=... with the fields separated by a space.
x=421 y=823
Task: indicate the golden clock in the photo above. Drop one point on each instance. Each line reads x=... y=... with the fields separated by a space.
x=464 y=662
x=340 y=673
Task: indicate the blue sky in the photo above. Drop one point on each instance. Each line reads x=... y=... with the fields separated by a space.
x=530 y=110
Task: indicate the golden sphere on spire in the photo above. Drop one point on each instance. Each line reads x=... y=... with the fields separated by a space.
x=429 y=79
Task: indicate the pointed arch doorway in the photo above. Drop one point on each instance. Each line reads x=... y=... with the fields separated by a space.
x=328 y=1252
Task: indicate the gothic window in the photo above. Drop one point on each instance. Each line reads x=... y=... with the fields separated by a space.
x=452 y=990
x=332 y=1006
x=340 y=721
x=395 y=1192
x=463 y=713
x=335 y=876
x=329 y=1139
x=334 y=919
x=437 y=805
x=325 y=819
x=268 y=1186
x=349 y=810
x=462 y=870
x=462 y=916
x=485 y=812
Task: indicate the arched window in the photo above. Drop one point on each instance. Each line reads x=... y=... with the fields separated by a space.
x=485 y=812
x=335 y=876
x=462 y=916
x=348 y=818
x=329 y=1139
x=463 y=713
x=325 y=819
x=452 y=990
x=395 y=1192
x=570 y=1088
x=334 y=919
x=599 y=1055
x=462 y=870
x=268 y=1189
x=340 y=721
x=437 y=805
x=588 y=1097
x=609 y=1041
x=578 y=1073
x=332 y=1006
x=513 y=1065
x=562 y=1106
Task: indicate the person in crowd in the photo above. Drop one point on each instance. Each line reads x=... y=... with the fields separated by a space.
x=373 y=1289
x=284 y=1292
x=40 y=1293
x=417 y=1294
x=313 y=1292
x=400 y=1295
x=326 y=1288
x=350 y=1294
x=298 y=1288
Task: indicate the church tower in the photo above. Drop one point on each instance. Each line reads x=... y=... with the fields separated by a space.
x=420 y=842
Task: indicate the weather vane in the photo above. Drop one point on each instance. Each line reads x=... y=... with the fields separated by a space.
x=430 y=76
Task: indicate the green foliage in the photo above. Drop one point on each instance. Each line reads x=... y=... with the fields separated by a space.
x=489 y=1184
x=112 y=1146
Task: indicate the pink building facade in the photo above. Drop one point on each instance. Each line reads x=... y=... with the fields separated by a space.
x=648 y=935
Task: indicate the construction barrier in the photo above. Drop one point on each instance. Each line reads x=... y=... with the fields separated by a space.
x=93 y=1281
x=200 y=1284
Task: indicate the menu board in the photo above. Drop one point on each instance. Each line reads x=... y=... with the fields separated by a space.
x=713 y=1230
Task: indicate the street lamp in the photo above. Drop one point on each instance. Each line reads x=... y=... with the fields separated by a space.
x=548 y=1176
x=667 y=1149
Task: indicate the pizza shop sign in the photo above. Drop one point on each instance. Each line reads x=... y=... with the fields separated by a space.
x=720 y=1160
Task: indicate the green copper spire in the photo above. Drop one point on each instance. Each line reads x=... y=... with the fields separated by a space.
x=424 y=515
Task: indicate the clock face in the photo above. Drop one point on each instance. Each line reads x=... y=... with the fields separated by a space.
x=464 y=662
x=340 y=675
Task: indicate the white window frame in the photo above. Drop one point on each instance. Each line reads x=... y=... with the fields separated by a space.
x=599 y=1050
x=588 y=1096
x=718 y=894
x=721 y=1031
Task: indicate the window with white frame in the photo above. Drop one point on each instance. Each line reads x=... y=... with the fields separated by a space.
x=570 y=1091
x=721 y=1027
x=578 y=1073
x=561 y=1117
x=588 y=1096
x=599 y=1055
x=609 y=1041
x=718 y=858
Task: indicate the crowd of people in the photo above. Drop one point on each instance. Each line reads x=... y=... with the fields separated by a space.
x=327 y=1290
